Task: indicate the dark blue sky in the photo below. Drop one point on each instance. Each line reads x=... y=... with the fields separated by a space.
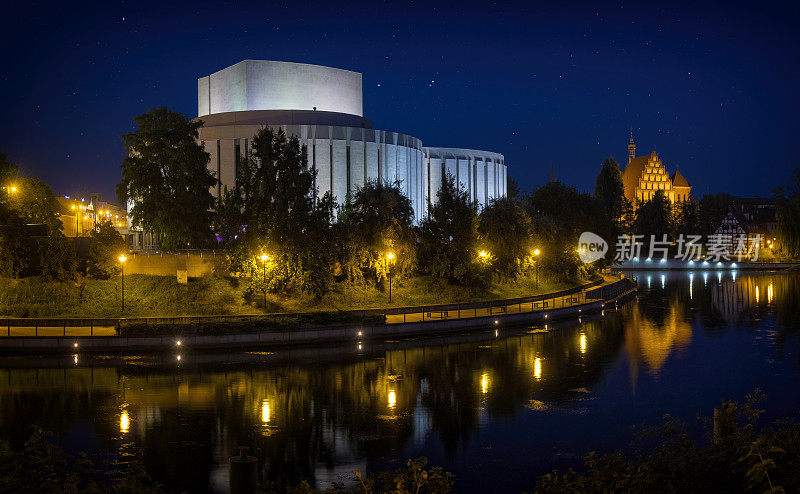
x=714 y=89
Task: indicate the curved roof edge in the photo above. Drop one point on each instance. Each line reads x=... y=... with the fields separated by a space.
x=285 y=117
x=440 y=152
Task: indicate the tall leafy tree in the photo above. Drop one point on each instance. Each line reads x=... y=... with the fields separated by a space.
x=507 y=232
x=609 y=194
x=380 y=220
x=166 y=176
x=449 y=243
x=279 y=217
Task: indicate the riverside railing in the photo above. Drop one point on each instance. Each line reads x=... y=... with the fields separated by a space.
x=392 y=315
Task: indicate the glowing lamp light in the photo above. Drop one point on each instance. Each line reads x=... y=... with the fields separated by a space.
x=178 y=343
x=122 y=258
x=75 y=344
x=483 y=253
x=536 y=252
x=392 y=398
x=264 y=257
x=13 y=188
x=265 y=411
x=124 y=422
x=390 y=256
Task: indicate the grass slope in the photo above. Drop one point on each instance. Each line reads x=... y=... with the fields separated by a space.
x=162 y=296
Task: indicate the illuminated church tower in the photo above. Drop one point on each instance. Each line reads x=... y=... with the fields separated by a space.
x=644 y=175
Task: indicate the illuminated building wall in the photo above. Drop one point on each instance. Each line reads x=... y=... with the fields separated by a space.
x=341 y=144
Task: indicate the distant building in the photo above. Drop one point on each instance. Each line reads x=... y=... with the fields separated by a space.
x=752 y=219
x=82 y=215
x=644 y=175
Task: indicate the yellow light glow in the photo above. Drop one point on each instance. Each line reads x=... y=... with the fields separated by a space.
x=122 y=258
x=264 y=257
x=537 y=368
x=756 y=293
x=392 y=398
x=13 y=188
x=484 y=383
x=265 y=411
x=124 y=422
x=483 y=253
x=583 y=343
x=73 y=206
x=536 y=252
x=769 y=293
x=390 y=256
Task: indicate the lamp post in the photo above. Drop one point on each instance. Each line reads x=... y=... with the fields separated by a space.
x=390 y=257
x=122 y=258
x=264 y=258
x=536 y=253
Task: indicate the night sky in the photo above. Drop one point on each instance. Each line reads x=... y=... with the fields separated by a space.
x=715 y=90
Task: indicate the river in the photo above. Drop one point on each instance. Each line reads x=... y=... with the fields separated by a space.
x=496 y=408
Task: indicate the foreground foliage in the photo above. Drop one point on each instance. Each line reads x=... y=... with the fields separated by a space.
x=736 y=458
x=41 y=466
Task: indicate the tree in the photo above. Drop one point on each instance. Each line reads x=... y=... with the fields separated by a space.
x=507 y=231
x=787 y=214
x=166 y=177
x=685 y=218
x=449 y=245
x=35 y=202
x=16 y=246
x=380 y=220
x=8 y=170
x=560 y=214
x=609 y=195
x=279 y=217
x=654 y=217
x=712 y=210
x=105 y=246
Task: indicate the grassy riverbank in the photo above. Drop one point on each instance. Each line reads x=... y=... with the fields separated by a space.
x=209 y=295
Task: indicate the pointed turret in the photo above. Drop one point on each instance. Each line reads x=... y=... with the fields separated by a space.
x=631 y=148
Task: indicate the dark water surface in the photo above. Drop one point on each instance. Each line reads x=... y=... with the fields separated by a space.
x=496 y=410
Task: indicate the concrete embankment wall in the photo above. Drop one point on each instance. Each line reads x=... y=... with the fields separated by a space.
x=169 y=264
x=642 y=264
x=303 y=336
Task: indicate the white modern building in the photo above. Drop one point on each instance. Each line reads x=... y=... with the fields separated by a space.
x=323 y=107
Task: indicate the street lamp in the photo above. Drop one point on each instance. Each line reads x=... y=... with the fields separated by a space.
x=264 y=258
x=122 y=258
x=536 y=253
x=483 y=254
x=390 y=257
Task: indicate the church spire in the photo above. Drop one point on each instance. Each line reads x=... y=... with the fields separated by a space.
x=631 y=148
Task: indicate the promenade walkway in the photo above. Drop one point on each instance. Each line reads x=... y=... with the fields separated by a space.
x=64 y=327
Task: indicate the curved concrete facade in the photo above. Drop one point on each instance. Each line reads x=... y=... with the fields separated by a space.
x=481 y=173
x=342 y=146
x=269 y=85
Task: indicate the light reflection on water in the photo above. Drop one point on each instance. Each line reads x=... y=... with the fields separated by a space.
x=495 y=408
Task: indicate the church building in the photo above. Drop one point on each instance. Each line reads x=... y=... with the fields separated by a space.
x=644 y=175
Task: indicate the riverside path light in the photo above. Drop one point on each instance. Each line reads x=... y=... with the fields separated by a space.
x=536 y=253
x=264 y=258
x=122 y=258
x=390 y=257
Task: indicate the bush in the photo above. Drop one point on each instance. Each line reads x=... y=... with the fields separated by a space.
x=59 y=260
